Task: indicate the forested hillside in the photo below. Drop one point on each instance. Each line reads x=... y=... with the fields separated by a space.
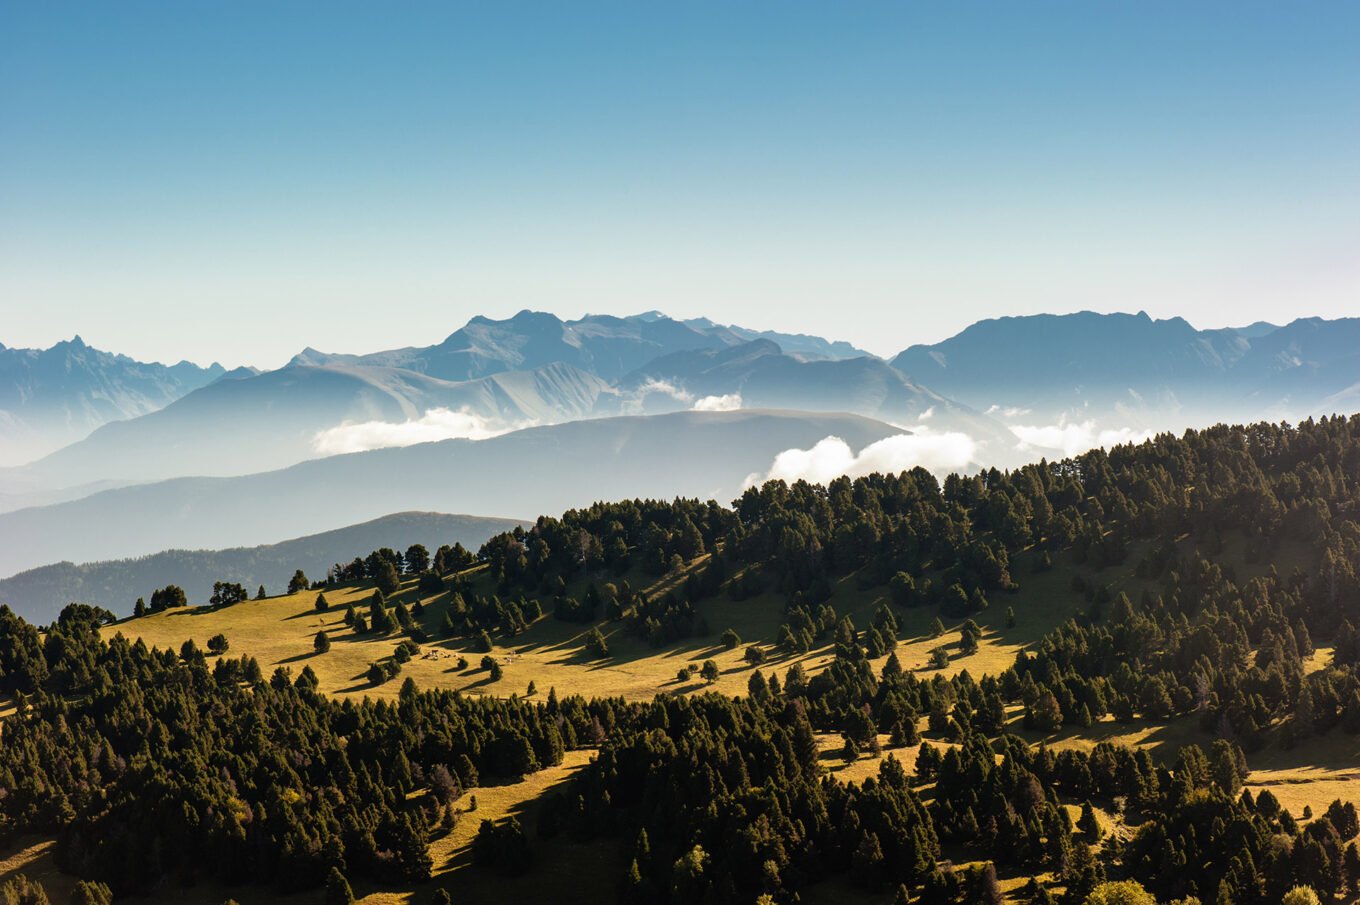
x=1240 y=545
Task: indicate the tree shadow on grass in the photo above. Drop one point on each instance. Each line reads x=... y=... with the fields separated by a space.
x=297 y=658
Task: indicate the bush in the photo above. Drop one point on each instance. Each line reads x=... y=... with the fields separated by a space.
x=1124 y=892
x=596 y=645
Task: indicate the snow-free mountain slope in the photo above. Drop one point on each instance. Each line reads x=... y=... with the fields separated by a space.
x=52 y=397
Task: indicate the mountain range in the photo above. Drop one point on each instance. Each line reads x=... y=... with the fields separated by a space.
x=52 y=397
x=491 y=377
x=1134 y=369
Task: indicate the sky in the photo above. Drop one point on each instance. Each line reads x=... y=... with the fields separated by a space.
x=234 y=181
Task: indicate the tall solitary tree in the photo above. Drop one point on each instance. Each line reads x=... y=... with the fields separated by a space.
x=338 y=891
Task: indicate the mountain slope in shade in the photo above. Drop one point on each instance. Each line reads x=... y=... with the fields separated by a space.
x=764 y=376
x=1302 y=365
x=52 y=397
x=1048 y=362
x=39 y=594
x=545 y=469
x=1137 y=367
x=262 y=422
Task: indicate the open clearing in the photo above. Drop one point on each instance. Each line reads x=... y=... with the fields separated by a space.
x=279 y=631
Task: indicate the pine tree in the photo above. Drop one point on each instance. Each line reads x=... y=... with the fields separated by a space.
x=1088 y=823
x=987 y=890
x=338 y=891
x=87 y=892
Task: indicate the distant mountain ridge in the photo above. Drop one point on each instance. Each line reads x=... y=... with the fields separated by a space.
x=1051 y=365
x=39 y=594
x=52 y=397
x=1016 y=385
x=498 y=375
x=764 y=376
x=271 y=420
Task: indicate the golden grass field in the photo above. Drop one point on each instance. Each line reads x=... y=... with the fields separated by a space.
x=279 y=631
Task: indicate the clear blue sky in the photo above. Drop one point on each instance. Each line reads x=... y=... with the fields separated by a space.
x=233 y=181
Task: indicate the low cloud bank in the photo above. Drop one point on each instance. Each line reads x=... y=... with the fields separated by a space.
x=634 y=402
x=729 y=402
x=832 y=457
x=435 y=424
x=1077 y=437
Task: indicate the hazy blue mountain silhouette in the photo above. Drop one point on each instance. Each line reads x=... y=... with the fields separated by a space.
x=530 y=369
x=271 y=420
x=1131 y=363
x=52 y=397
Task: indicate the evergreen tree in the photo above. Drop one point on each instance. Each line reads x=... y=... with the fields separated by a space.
x=338 y=891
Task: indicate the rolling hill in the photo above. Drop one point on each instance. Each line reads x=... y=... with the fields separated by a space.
x=39 y=594
x=703 y=454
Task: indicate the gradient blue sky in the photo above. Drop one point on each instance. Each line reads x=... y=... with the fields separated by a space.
x=236 y=180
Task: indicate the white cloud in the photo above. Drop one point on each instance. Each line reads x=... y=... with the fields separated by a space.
x=435 y=424
x=665 y=388
x=634 y=402
x=927 y=414
x=1008 y=412
x=833 y=457
x=1077 y=437
x=728 y=402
